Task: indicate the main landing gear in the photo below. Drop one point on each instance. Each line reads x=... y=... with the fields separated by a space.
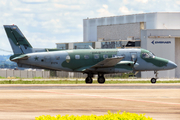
x=100 y=79
x=153 y=80
x=89 y=78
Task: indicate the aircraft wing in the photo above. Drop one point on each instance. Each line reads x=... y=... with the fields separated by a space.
x=108 y=62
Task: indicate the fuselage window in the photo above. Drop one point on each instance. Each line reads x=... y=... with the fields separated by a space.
x=96 y=56
x=77 y=56
x=86 y=56
x=47 y=58
x=57 y=58
x=105 y=56
x=123 y=55
x=113 y=56
x=68 y=59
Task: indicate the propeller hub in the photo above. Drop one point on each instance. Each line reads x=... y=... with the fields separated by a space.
x=136 y=64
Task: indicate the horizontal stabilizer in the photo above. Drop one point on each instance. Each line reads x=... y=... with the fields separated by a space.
x=21 y=57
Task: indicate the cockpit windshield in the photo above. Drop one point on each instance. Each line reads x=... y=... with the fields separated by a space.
x=148 y=55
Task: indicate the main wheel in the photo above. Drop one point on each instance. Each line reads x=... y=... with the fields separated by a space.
x=101 y=80
x=89 y=80
x=153 y=80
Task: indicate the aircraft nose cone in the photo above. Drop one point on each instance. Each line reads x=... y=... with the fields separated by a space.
x=171 y=65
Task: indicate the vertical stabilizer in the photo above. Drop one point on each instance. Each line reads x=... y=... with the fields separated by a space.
x=18 y=42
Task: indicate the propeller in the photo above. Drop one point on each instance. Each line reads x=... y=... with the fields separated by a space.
x=135 y=63
x=134 y=66
x=133 y=56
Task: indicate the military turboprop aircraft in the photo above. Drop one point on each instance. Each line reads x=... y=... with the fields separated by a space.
x=89 y=61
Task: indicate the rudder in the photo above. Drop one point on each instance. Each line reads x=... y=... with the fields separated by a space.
x=19 y=43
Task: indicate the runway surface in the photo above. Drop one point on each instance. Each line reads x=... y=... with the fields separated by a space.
x=91 y=86
x=25 y=102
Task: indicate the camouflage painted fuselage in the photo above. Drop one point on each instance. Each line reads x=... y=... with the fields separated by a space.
x=83 y=60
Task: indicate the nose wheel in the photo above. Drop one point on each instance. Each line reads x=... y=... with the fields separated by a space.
x=153 y=80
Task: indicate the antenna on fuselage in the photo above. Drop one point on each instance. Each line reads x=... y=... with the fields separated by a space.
x=91 y=47
x=47 y=50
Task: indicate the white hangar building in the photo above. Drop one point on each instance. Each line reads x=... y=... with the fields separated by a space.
x=157 y=32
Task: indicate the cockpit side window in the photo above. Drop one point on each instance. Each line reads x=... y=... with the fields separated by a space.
x=145 y=55
x=148 y=55
x=151 y=55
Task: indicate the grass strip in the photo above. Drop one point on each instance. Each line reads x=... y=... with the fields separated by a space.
x=78 y=82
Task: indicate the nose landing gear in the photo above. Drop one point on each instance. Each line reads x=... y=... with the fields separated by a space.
x=153 y=80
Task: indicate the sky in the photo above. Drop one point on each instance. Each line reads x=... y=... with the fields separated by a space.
x=47 y=22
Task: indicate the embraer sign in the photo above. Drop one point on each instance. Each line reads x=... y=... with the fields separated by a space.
x=160 y=42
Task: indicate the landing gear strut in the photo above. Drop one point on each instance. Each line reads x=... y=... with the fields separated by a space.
x=153 y=80
x=101 y=78
x=89 y=78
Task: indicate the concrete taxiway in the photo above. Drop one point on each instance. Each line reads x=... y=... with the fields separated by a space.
x=160 y=101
